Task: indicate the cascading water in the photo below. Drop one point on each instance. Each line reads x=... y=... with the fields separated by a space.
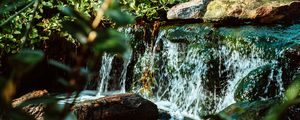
x=104 y=73
x=180 y=82
x=107 y=68
x=193 y=72
x=193 y=80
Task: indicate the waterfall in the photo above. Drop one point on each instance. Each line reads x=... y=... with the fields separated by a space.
x=107 y=68
x=104 y=73
x=182 y=76
x=197 y=77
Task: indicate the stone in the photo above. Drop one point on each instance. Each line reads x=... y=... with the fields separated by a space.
x=255 y=110
x=190 y=33
x=266 y=11
x=259 y=84
x=116 y=107
x=193 y=9
x=37 y=111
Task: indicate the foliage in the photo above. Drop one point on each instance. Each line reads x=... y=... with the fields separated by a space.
x=37 y=21
x=27 y=23
x=151 y=9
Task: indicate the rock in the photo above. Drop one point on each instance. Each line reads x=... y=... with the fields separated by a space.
x=121 y=106
x=266 y=11
x=190 y=33
x=247 y=110
x=193 y=9
x=260 y=83
x=35 y=110
x=292 y=113
x=163 y=115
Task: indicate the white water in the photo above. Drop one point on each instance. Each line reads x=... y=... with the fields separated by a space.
x=179 y=81
x=104 y=73
x=180 y=76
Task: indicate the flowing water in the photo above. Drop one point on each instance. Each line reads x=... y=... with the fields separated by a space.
x=194 y=79
x=182 y=85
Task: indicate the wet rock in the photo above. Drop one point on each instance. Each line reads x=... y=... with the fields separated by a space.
x=121 y=106
x=163 y=115
x=35 y=110
x=193 y=33
x=292 y=113
x=290 y=62
x=138 y=36
x=261 y=83
x=115 y=74
x=247 y=110
x=267 y=11
x=193 y=9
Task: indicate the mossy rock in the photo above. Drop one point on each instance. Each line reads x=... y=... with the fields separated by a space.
x=187 y=33
x=255 y=110
x=266 y=40
x=259 y=84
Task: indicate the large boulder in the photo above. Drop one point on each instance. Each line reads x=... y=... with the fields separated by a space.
x=193 y=9
x=116 y=107
x=262 y=11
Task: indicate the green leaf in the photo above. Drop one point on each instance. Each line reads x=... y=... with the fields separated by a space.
x=63 y=82
x=76 y=30
x=17 y=13
x=59 y=65
x=116 y=43
x=293 y=91
x=71 y=12
x=25 y=61
x=121 y=18
x=8 y=5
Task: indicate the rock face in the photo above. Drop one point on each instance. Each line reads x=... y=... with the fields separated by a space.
x=193 y=9
x=266 y=11
x=116 y=107
x=35 y=110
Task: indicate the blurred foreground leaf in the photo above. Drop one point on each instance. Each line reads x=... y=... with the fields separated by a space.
x=77 y=30
x=71 y=12
x=293 y=91
x=116 y=43
x=59 y=65
x=121 y=18
x=25 y=61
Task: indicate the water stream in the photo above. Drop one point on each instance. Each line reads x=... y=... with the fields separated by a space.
x=195 y=73
x=182 y=83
